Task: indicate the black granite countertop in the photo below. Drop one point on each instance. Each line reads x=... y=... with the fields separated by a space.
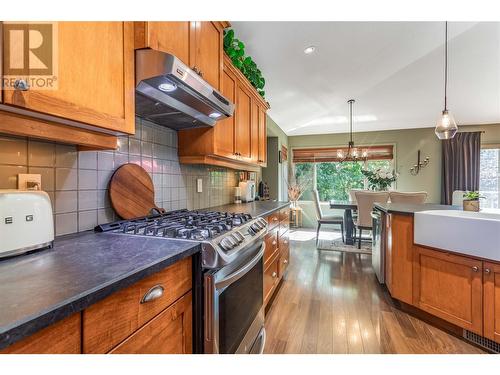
x=410 y=209
x=39 y=289
x=256 y=209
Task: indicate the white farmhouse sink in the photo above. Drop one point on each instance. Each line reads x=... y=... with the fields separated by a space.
x=470 y=233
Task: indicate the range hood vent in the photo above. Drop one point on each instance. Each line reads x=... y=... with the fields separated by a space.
x=169 y=93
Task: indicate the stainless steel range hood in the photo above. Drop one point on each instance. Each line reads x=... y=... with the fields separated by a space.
x=169 y=93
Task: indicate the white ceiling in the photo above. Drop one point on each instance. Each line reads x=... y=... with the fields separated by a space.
x=394 y=70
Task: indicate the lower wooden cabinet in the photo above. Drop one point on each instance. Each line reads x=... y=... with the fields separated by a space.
x=168 y=333
x=271 y=278
x=491 y=301
x=63 y=337
x=112 y=320
x=448 y=286
x=284 y=246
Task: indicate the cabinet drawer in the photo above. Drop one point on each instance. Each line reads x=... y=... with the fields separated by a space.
x=271 y=240
x=273 y=220
x=271 y=279
x=110 y=321
x=285 y=215
x=284 y=247
x=63 y=337
x=284 y=227
x=169 y=333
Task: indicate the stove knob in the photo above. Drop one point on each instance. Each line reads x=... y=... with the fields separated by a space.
x=226 y=244
x=233 y=240
x=239 y=237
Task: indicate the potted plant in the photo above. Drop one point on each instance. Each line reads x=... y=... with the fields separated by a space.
x=471 y=201
x=380 y=179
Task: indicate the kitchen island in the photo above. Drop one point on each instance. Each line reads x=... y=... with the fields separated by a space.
x=454 y=289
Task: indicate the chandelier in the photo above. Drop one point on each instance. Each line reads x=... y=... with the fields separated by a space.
x=352 y=153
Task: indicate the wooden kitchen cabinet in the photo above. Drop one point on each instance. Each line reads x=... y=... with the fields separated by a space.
x=399 y=257
x=168 y=333
x=63 y=337
x=174 y=37
x=491 y=301
x=237 y=142
x=271 y=278
x=95 y=79
x=112 y=320
x=448 y=286
x=198 y=44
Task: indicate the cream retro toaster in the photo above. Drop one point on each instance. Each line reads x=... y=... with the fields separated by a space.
x=26 y=221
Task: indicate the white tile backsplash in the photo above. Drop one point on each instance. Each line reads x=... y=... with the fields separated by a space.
x=77 y=182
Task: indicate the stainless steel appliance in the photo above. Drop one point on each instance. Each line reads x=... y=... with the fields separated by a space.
x=26 y=222
x=378 y=245
x=171 y=94
x=232 y=249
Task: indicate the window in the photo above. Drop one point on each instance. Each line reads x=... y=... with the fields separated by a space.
x=489 y=177
x=333 y=180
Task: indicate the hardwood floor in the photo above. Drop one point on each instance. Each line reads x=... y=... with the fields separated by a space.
x=332 y=303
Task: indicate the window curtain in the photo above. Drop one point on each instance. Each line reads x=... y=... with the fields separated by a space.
x=461 y=156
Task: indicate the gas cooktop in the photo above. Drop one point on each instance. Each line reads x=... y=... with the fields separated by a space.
x=223 y=235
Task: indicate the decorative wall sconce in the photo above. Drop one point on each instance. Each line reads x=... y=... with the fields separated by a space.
x=420 y=164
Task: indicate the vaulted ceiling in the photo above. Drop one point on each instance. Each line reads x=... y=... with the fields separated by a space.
x=394 y=70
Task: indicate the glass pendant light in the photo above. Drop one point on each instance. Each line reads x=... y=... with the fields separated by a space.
x=446 y=127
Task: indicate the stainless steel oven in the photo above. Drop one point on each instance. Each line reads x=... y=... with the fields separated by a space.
x=234 y=314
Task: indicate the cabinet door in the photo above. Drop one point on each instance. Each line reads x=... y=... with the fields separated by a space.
x=400 y=256
x=224 y=129
x=262 y=159
x=209 y=52
x=491 y=293
x=171 y=37
x=284 y=247
x=63 y=337
x=243 y=127
x=448 y=286
x=271 y=279
x=95 y=77
x=254 y=132
x=168 y=333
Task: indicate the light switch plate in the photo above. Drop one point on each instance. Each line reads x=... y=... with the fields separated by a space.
x=199 y=185
x=24 y=180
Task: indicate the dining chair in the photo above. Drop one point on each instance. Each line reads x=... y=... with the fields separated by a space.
x=417 y=197
x=352 y=194
x=322 y=219
x=365 y=200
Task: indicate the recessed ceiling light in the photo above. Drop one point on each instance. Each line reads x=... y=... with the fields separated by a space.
x=309 y=50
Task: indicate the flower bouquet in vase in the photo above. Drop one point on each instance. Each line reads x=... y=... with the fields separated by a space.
x=380 y=179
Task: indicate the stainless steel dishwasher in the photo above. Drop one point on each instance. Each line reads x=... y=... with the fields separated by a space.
x=378 y=248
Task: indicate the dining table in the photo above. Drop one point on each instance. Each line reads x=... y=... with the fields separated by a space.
x=348 y=206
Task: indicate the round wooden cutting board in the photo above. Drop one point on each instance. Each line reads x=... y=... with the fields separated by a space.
x=131 y=192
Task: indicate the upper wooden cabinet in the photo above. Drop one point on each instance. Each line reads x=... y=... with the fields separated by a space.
x=197 y=43
x=237 y=142
x=95 y=77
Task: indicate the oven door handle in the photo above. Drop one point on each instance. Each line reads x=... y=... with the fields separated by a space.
x=238 y=274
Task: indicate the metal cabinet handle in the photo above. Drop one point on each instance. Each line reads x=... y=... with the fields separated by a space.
x=274 y=275
x=475 y=268
x=275 y=219
x=285 y=261
x=487 y=270
x=274 y=242
x=285 y=242
x=153 y=293
x=21 y=85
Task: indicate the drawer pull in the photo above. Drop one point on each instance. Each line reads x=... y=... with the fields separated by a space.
x=475 y=268
x=487 y=270
x=285 y=261
x=275 y=219
x=153 y=293
x=274 y=275
x=21 y=85
x=285 y=242
x=274 y=242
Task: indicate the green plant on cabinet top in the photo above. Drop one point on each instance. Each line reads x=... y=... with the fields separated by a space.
x=235 y=49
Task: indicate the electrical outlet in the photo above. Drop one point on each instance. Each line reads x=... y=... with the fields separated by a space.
x=29 y=181
x=199 y=185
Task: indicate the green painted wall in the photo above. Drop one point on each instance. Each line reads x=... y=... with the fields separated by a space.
x=407 y=142
x=275 y=173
